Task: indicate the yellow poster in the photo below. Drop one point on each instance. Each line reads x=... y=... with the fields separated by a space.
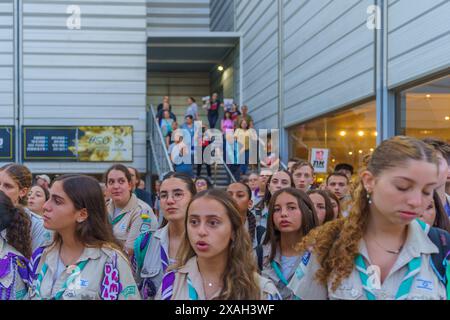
x=98 y=144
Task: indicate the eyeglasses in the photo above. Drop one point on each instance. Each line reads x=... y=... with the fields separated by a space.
x=177 y=196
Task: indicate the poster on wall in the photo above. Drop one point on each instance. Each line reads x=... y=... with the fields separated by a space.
x=105 y=144
x=83 y=144
x=319 y=159
x=6 y=143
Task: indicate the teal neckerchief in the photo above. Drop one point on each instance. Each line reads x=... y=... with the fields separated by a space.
x=75 y=272
x=279 y=273
x=117 y=219
x=193 y=295
x=405 y=286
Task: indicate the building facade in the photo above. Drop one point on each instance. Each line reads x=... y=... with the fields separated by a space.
x=338 y=75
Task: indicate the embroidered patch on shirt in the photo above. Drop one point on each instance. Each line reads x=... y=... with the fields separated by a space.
x=84 y=283
x=424 y=284
x=144 y=228
x=306 y=257
x=123 y=227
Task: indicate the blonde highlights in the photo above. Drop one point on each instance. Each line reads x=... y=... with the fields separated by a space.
x=336 y=244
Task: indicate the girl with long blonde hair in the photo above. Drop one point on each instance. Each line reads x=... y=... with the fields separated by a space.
x=381 y=251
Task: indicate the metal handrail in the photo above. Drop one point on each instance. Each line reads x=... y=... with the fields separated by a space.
x=163 y=164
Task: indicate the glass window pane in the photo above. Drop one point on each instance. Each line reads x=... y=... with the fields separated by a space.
x=425 y=110
x=349 y=135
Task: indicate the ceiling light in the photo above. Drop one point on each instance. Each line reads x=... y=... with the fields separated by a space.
x=360 y=151
x=220 y=68
x=342 y=133
x=361 y=133
x=447 y=118
x=350 y=153
x=428 y=96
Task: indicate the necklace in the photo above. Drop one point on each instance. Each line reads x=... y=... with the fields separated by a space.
x=387 y=250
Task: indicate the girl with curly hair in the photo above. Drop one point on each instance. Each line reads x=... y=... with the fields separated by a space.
x=215 y=260
x=15 y=182
x=15 y=248
x=381 y=250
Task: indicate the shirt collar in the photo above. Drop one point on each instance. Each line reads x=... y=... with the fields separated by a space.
x=417 y=243
x=132 y=203
x=163 y=236
x=52 y=256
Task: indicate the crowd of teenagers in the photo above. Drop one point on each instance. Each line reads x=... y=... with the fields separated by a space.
x=378 y=233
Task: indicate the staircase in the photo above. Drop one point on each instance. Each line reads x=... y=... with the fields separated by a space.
x=219 y=175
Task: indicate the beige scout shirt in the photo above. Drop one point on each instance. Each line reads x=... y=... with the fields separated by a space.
x=180 y=286
x=425 y=286
x=97 y=280
x=269 y=272
x=11 y=280
x=138 y=218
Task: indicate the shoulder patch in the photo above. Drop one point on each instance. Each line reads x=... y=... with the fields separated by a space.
x=306 y=257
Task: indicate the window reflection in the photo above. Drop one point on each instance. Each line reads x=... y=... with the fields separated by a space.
x=349 y=135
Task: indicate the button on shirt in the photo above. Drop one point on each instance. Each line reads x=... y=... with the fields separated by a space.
x=425 y=285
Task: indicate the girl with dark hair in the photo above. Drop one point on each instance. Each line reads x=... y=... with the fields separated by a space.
x=323 y=205
x=37 y=196
x=15 y=182
x=85 y=262
x=291 y=217
x=381 y=250
x=155 y=251
x=334 y=204
x=279 y=180
x=435 y=215
x=192 y=109
x=15 y=248
x=129 y=215
x=227 y=123
x=242 y=195
x=215 y=259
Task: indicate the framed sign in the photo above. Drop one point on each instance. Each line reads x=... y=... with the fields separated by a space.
x=49 y=143
x=7 y=143
x=83 y=144
x=319 y=159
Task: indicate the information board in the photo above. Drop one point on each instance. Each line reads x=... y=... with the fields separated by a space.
x=83 y=144
x=7 y=143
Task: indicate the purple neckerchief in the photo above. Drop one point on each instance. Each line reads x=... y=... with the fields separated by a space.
x=34 y=262
x=447 y=208
x=167 y=286
x=5 y=266
x=164 y=259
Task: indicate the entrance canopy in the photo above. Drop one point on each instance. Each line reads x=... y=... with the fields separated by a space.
x=192 y=52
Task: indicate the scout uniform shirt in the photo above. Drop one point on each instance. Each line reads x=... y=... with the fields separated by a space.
x=137 y=217
x=150 y=260
x=39 y=235
x=274 y=271
x=411 y=276
x=187 y=284
x=13 y=273
x=99 y=274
